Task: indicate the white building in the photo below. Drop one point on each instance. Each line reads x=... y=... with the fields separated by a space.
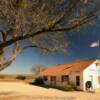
x=82 y=74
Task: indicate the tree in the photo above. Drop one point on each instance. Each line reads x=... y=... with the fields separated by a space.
x=41 y=24
x=36 y=69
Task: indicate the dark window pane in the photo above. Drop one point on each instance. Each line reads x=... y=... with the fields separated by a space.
x=65 y=78
x=45 y=78
x=53 y=78
x=77 y=80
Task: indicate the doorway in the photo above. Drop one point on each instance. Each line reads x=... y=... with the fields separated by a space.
x=77 y=80
x=53 y=81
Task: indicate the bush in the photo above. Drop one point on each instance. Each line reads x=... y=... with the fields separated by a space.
x=20 y=77
x=68 y=87
x=38 y=81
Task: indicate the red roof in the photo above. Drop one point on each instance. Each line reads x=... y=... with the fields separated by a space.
x=67 y=68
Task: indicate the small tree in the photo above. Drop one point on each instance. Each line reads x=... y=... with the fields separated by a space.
x=36 y=69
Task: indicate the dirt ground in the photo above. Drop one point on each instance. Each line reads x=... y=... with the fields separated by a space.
x=23 y=91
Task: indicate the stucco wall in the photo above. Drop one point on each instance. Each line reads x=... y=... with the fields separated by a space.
x=95 y=72
x=72 y=80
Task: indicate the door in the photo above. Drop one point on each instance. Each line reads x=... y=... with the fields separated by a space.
x=53 y=81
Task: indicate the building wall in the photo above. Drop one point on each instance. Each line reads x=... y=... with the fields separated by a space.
x=72 y=80
x=93 y=71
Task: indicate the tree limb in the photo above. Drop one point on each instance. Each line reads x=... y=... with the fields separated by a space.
x=68 y=11
x=3 y=36
x=26 y=36
x=16 y=51
x=36 y=46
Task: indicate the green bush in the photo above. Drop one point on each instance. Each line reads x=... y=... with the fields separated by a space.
x=67 y=87
x=38 y=81
x=21 y=77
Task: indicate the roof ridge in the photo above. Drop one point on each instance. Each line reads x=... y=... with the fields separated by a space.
x=73 y=62
x=81 y=61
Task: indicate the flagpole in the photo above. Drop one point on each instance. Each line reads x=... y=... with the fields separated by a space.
x=98 y=49
x=98 y=60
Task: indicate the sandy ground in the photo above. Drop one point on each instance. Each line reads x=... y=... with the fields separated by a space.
x=23 y=91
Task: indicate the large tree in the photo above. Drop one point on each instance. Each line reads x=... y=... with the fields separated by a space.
x=41 y=24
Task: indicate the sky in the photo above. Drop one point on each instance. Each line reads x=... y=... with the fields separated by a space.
x=79 y=48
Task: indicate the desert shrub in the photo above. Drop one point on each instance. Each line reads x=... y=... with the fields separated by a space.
x=2 y=76
x=38 y=81
x=67 y=87
x=21 y=77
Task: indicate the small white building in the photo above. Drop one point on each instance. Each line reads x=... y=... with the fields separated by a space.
x=82 y=74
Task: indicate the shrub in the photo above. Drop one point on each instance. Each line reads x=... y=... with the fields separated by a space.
x=21 y=77
x=67 y=87
x=38 y=81
x=2 y=76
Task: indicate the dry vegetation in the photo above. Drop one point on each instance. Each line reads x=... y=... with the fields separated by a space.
x=17 y=78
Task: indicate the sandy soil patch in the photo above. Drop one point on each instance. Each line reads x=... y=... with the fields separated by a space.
x=23 y=91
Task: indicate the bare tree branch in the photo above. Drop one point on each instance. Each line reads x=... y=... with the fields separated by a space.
x=3 y=36
x=82 y=21
x=38 y=47
x=16 y=51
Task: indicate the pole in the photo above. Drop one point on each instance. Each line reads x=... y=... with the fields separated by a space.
x=98 y=50
x=98 y=63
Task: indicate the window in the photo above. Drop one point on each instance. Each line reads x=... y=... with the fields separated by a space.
x=53 y=78
x=65 y=78
x=45 y=78
x=77 y=80
x=99 y=79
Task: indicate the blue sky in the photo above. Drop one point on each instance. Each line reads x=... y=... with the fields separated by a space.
x=78 y=49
